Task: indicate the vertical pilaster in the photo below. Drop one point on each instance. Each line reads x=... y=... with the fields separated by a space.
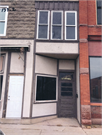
x=84 y=64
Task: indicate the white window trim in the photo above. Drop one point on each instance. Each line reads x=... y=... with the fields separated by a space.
x=6 y=16
x=57 y=24
x=36 y=101
x=43 y=24
x=71 y=25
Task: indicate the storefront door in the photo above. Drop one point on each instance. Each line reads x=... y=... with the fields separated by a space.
x=67 y=95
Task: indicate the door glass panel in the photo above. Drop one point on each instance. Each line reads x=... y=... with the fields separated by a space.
x=66 y=94
x=66 y=76
x=66 y=84
x=66 y=89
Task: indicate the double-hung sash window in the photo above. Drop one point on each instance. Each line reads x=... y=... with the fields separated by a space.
x=56 y=25
x=70 y=25
x=43 y=25
x=3 y=20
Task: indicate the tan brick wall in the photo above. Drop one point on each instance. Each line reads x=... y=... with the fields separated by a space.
x=21 y=23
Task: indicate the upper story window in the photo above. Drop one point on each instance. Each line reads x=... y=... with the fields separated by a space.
x=43 y=25
x=3 y=20
x=56 y=25
x=54 y=30
x=70 y=25
x=99 y=12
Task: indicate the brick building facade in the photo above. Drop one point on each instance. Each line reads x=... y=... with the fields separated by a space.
x=90 y=48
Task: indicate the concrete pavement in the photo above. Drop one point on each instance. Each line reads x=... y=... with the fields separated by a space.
x=58 y=126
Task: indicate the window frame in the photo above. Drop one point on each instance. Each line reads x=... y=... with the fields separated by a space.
x=2 y=73
x=36 y=101
x=6 y=17
x=57 y=24
x=71 y=25
x=43 y=24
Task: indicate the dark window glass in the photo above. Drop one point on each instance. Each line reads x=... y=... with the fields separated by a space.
x=99 y=12
x=56 y=18
x=46 y=88
x=95 y=79
x=1 y=80
x=66 y=76
x=56 y=32
x=43 y=18
x=42 y=31
x=70 y=20
x=66 y=84
x=70 y=32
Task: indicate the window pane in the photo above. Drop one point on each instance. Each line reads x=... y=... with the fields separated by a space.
x=70 y=20
x=66 y=84
x=2 y=14
x=95 y=79
x=99 y=18
x=99 y=3
x=57 y=17
x=43 y=18
x=70 y=32
x=2 y=25
x=66 y=77
x=46 y=88
x=42 y=31
x=1 y=80
x=56 y=32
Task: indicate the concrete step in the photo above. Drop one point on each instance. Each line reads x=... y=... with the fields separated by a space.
x=26 y=121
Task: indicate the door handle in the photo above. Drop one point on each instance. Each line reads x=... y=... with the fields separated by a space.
x=76 y=95
x=8 y=99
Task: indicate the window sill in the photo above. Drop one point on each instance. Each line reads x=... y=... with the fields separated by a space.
x=96 y=104
x=43 y=102
x=63 y=41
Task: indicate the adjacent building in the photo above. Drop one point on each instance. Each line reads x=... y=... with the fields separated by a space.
x=90 y=26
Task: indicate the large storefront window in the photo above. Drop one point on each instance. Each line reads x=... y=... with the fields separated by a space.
x=96 y=79
x=46 y=88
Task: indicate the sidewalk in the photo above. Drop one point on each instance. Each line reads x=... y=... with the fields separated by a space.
x=58 y=126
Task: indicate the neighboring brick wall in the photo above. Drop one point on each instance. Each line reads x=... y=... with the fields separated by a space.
x=87 y=26
x=91 y=9
x=95 y=49
x=21 y=23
